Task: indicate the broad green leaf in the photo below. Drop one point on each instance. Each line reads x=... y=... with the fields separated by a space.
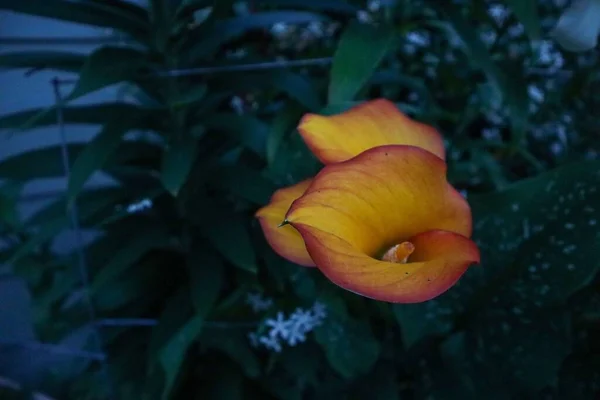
x=228 y=233
x=173 y=353
x=9 y=216
x=124 y=257
x=98 y=151
x=107 y=66
x=190 y=96
x=236 y=345
x=527 y=12
x=360 y=50
x=177 y=310
x=206 y=279
x=38 y=60
x=47 y=162
x=143 y=282
x=248 y=130
x=498 y=352
x=85 y=114
x=40 y=163
x=349 y=346
x=245 y=183
x=297 y=87
x=205 y=41
x=177 y=162
x=283 y=123
x=95 y=13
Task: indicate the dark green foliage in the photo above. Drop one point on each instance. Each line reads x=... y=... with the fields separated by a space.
x=182 y=280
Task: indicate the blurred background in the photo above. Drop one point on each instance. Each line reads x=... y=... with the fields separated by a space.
x=138 y=138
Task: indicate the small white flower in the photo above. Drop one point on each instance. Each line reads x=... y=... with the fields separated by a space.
x=271 y=343
x=257 y=302
x=295 y=337
x=139 y=206
x=279 y=28
x=363 y=16
x=302 y=320
x=319 y=310
x=279 y=326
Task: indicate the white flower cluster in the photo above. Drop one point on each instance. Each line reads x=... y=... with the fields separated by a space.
x=257 y=302
x=139 y=206
x=290 y=330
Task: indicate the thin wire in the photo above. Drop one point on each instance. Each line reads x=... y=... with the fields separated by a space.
x=227 y=68
x=56 y=349
x=145 y=322
x=74 y=220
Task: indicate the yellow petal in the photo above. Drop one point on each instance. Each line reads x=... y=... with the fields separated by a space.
x=439 y=260
x=381 y=198
x=285 y=240
x=340 y=137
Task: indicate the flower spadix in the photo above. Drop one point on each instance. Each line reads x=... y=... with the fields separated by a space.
x=380 y=219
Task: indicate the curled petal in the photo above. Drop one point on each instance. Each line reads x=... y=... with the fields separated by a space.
x=579 y=26
x=382 y=197
x=353 y=212
x=340 y=137
x=285 y=240
x=439 y=260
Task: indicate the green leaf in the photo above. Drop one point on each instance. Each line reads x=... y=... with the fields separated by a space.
x=190 y=96
x=161 y=14
x=545 y=232
x=40 y=163
x=349 y=346
x=283 y=123
x=236 y=346
x=85 y=114
x=203 y=41
x=360 y=50
x=228 y=233
x=206 y=279
x=128 y=255
x=527 y=12
x=245 y=183
x=9 y=215
x=38 y=60
x=107 y=66
x=95 y=13
x=248 y=130
x=172 y=355
x=177 y=162
x=297 y=87
x=98 y=151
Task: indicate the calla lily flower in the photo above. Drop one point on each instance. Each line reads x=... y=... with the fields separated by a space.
x=579 y=26
x=380 y=219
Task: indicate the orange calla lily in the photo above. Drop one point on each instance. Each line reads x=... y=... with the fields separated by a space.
x=285 y=240
x=375 y=123
x=380 y=219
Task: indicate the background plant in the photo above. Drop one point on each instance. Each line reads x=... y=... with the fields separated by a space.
x=185 y=299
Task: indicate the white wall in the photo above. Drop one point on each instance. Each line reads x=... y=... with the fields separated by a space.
x=19 y=92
